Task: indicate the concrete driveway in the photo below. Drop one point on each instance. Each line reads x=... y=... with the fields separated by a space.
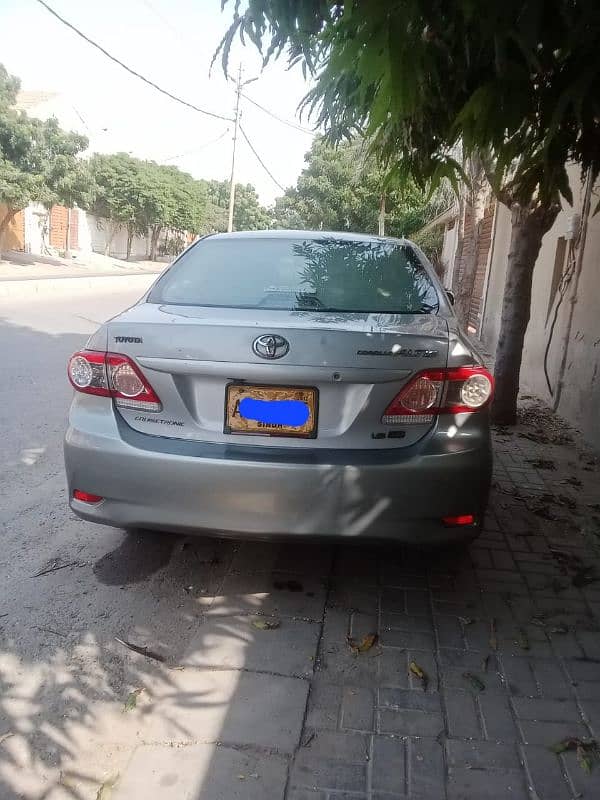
x=154 y=666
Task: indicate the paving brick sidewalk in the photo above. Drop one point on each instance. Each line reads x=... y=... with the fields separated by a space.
x=508 y=635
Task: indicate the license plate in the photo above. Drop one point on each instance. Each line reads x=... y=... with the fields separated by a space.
x=271 y=410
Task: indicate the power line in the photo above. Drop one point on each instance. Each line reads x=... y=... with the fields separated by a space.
x=197 y=149
x=279 y=119
x=260 y=161
x=129 y=69
x=165 y=21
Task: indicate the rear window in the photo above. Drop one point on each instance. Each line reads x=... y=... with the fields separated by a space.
x=300 y=275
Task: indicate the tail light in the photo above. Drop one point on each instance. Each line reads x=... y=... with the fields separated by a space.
x=440 y=391
x=86 y=497
x=459 y=521
x=112 y=375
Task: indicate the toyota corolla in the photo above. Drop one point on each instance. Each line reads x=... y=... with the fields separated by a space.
x=281 y=383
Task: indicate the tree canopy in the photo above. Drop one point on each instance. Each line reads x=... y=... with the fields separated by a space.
x=341 y=188
x=38 y=160
x=248 y=213
x=515 y=84
x=144 y=196
x=520 y=81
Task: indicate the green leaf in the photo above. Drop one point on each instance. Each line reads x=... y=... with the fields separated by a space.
x=131 y=701
x=265 y=623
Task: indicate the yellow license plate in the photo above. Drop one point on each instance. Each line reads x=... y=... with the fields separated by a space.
x=271 y=410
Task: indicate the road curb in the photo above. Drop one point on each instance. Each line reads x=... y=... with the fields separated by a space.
x=31 y=288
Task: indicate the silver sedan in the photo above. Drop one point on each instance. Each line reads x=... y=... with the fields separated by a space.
x=284 y=383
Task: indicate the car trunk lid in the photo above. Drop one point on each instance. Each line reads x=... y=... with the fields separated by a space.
x=357 y=362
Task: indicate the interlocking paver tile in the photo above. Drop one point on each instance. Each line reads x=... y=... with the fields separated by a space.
x=426 y=769
x=585 y=785
x=546 y=710
x=358 y=709
x=497 y=718
x=415 y=640
x=389 y=765
x=462 y=714
x=410 y=623
x=332 y=761
x=549 y=733
x=324 y=705
x=484 y=770
x=545 y=773
x=482 y=664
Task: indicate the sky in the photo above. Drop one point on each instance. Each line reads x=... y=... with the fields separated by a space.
x=171 y=42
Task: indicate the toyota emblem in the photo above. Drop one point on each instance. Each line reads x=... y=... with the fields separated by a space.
x=271 y=345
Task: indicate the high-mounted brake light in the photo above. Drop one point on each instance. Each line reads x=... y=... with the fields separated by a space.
x=112 y=375
x=456 y=390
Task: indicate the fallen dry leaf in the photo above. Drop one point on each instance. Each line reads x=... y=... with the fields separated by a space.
x=364 y=645
x=420 y=673
x=475 y=682
x=105 y=791
x=131 y=701
x=143 y=651
x=587 y=751
x=584 y=759
x=265 y=624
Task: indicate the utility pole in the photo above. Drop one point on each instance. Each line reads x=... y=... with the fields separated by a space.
x=381 y=217
x=235 y=135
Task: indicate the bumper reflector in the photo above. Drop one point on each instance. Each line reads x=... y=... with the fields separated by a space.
x=461 y=519
x=86 y=497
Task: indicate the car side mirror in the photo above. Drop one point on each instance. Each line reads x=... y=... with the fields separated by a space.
x=451 y=297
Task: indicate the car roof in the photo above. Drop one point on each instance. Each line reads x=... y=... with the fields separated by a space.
x=301 y=234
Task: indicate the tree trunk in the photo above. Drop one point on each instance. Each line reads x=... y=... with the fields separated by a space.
x=112 y=229
x=130 y=234
x=154 y=241
x=529 y=224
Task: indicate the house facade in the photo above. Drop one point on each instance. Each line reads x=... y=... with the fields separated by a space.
x=561 y=355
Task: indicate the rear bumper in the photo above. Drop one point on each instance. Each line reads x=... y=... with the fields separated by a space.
x=153 y=482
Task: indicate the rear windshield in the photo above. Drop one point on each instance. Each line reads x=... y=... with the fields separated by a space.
x=300 y=275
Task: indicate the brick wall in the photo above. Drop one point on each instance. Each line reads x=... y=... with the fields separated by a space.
x=58 y=228
x=14 y=236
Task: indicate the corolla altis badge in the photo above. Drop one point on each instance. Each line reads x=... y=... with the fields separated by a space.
x=271 y=345
x=406 y=352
